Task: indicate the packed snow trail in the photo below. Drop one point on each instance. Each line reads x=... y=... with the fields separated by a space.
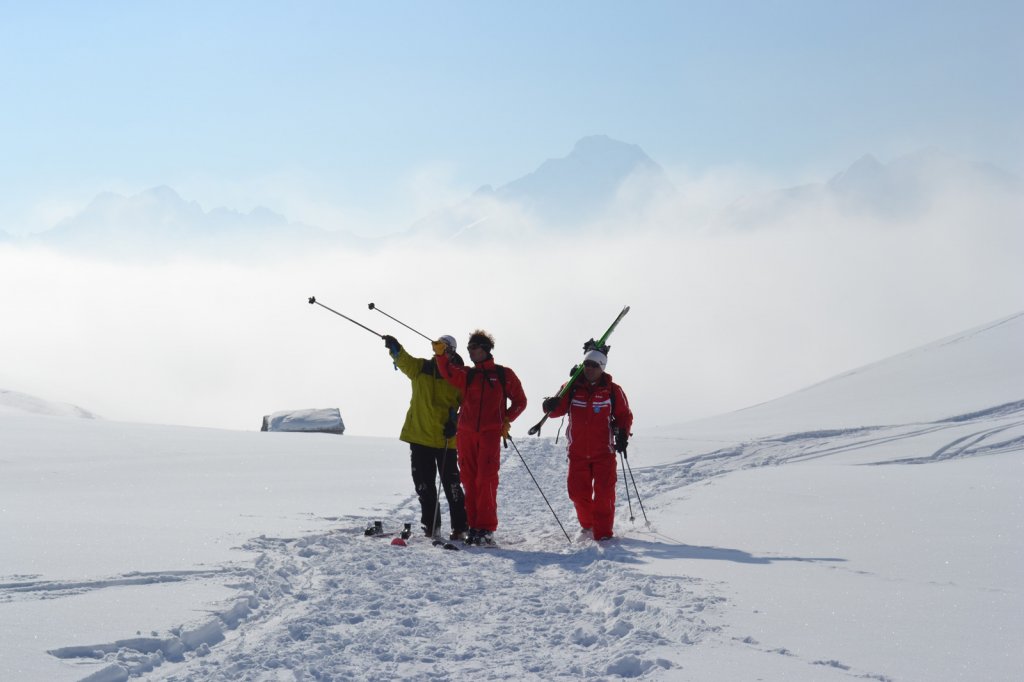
x=340 y=605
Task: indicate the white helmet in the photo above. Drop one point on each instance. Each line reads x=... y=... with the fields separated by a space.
x=597 y=356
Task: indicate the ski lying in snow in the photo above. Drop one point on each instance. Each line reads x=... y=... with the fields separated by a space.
x=588 y=346
x=436 y=542
x=376 y=530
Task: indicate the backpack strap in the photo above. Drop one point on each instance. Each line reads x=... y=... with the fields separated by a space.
x=501 y=380
x=498 y=369
x=613 y=388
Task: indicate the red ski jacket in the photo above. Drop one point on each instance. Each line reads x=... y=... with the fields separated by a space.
x=593 y=411
x=484 y=399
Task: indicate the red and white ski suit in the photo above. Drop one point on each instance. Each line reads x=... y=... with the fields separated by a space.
x=592 y=466
x=483 y=413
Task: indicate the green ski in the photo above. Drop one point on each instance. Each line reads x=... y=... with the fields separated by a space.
x=535 y=430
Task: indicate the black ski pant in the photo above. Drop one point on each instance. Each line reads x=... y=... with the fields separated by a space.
x=427 y=463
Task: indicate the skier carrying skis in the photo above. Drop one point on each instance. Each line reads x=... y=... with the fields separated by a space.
x=485 y=419
x=429 y=430
x=599 y=424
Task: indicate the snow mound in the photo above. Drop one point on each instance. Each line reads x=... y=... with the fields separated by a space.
x=12 y=402
x=326 y=420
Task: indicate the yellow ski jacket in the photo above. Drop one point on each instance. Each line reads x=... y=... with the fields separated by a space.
x=433 y=399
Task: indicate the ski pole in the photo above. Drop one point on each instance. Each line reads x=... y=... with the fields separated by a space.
x=437 y=505
x=373 y=307
x=632 y=518
x=540 y=489
x=535 y=429
x=630 y=470
x=312 y=300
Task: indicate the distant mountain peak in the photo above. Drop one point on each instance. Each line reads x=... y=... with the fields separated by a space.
x=163 y=193
x=613 y=156
x=599 y=178
x=903 y=188
x=158 y=220
x=582 y=185
x=599 y=147
x=863 y=168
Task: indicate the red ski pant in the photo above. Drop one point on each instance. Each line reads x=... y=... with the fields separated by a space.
x=480 y=457
x=591 y=486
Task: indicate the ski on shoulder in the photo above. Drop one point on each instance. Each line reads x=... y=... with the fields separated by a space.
x=599 y=344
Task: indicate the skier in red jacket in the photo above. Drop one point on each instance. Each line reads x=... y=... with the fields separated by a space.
x=599 y=424
x=484 y=419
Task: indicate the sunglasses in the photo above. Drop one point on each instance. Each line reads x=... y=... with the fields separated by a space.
x=591 y=364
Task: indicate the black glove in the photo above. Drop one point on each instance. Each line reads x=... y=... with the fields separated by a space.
x=391 y=343
x=550 y=404
x=451 y=426
x=621 y=441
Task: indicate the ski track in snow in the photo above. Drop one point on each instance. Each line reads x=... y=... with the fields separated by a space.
x=341 y=606
x=50 y=589
x=1005 y=421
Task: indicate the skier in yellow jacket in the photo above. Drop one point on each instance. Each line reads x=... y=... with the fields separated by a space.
x=429 y=430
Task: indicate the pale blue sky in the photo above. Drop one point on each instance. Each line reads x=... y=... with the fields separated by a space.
x=219 y=99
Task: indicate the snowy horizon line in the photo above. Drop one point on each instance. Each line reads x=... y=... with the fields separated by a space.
x=17 y=401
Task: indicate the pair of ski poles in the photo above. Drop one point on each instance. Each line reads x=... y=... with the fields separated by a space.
x=444 y=458
x=312 y=301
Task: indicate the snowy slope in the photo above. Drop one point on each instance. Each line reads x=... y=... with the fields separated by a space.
x=883 y=547
x=13 y=402
x=979 y=369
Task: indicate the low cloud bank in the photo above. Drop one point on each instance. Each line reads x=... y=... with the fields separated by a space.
x=722 y=316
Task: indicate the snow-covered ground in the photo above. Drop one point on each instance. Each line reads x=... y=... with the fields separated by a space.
x=868 y=527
